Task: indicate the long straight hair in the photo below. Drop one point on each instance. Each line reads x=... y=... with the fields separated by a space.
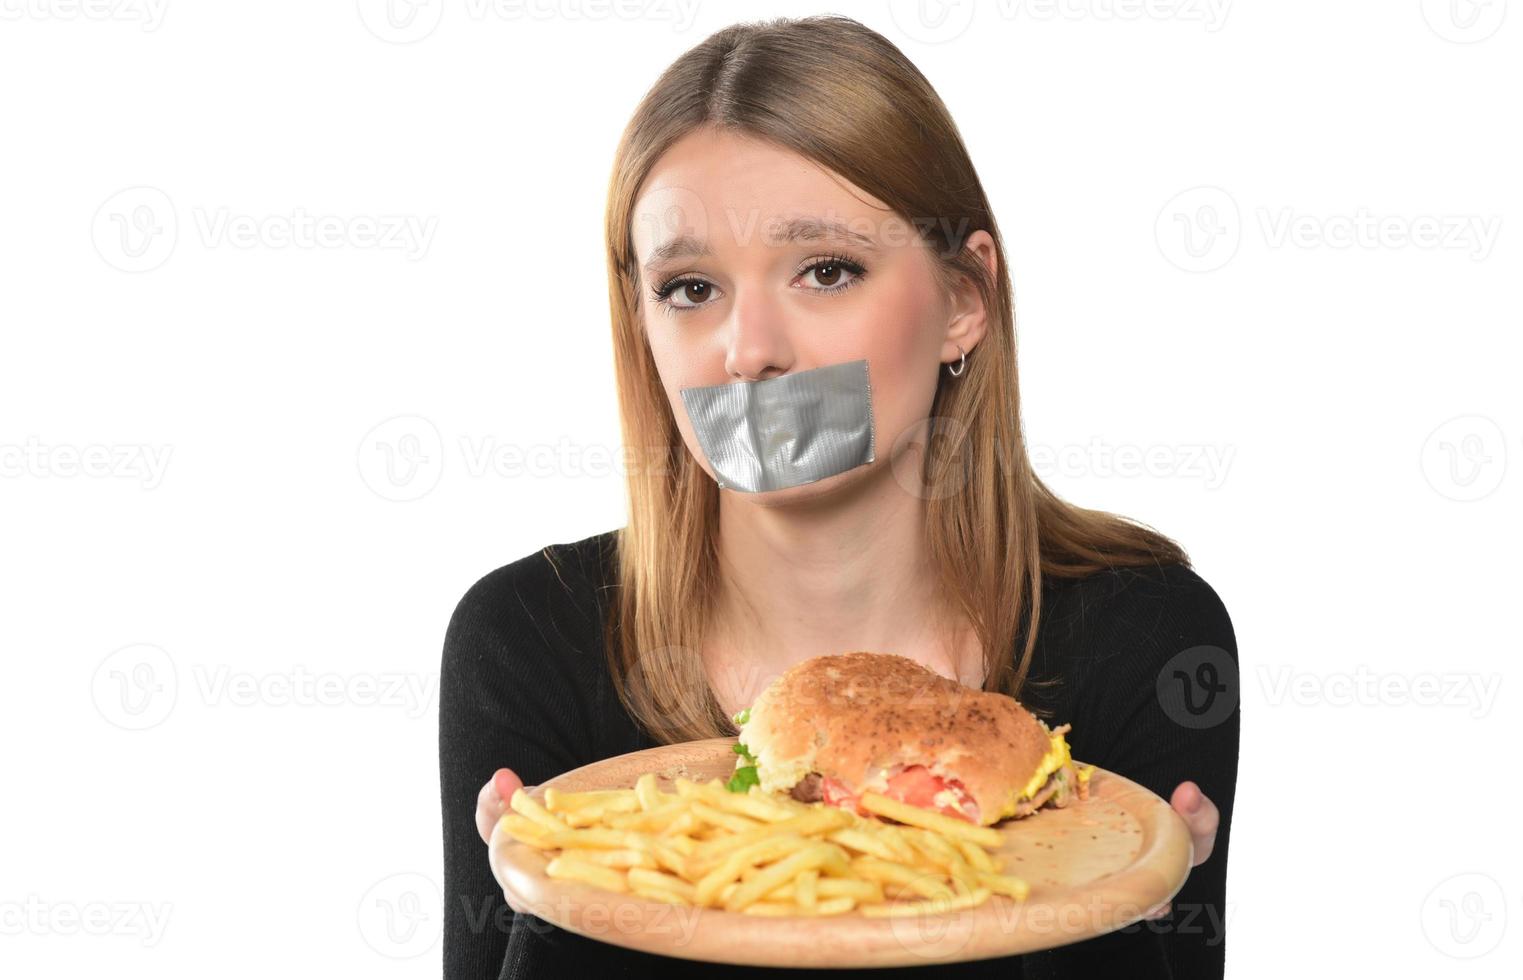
x=840 y=94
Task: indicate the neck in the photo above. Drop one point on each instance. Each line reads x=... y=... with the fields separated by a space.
x=845 y=571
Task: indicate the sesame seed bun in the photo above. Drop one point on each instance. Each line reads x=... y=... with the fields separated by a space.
x=854 y=717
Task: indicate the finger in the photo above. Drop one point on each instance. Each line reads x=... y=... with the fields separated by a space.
x=1200 y=815
x=506 y=782
x=1167 y=906
x=492 y=801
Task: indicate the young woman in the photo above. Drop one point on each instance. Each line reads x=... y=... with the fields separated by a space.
x=792 y=195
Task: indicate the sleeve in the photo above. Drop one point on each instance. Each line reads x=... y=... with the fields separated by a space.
x=1157 y=701
x=503 y=701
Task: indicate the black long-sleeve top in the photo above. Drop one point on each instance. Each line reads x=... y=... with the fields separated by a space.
x=1147 y=662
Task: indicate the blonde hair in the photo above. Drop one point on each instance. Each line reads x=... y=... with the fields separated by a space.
x=838 y=93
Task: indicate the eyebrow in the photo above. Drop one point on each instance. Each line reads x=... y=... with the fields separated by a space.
x=795 y=230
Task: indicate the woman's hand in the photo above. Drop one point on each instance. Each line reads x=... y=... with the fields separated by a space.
x=491 y=804
x=492 y=801
x=1201 y=816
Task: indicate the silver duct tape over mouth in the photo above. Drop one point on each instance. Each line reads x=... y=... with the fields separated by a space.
x=787 y=431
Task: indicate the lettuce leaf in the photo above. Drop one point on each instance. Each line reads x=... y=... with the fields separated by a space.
x=744 y=778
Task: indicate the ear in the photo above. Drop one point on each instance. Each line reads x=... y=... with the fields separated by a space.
x=969 y=320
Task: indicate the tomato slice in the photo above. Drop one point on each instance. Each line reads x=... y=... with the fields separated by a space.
x=915 y=785
x=835 y=793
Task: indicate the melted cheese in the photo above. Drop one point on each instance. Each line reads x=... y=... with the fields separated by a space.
x=1056 y=758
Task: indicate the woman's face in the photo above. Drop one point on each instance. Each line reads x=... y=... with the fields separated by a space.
x=766 y=264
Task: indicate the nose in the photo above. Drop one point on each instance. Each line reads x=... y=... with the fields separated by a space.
x=758 y=346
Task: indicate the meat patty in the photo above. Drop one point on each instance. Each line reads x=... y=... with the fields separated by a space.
x=808 y=789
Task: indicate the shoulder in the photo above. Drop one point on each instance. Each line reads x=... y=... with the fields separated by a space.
x=560 y=572
x=547 y=599
x=522 y=676
x=1169 y=602
x=1164 y=608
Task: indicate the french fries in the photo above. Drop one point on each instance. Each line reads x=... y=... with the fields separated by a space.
x=930 y=819
x=762 y=854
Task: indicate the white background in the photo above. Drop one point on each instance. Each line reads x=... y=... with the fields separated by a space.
x=222 y=616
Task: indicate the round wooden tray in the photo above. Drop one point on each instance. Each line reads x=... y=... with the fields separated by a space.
x=1094 y=866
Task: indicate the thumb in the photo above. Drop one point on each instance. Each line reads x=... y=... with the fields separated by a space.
x=506 y=782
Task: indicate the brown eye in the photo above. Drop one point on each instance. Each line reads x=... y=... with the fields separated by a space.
x=684 y=294
x=832 y=275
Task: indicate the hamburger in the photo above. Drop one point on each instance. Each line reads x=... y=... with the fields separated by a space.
x=834 y=727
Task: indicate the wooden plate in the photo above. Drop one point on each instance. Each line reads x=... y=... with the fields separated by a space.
x=1093 y=867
